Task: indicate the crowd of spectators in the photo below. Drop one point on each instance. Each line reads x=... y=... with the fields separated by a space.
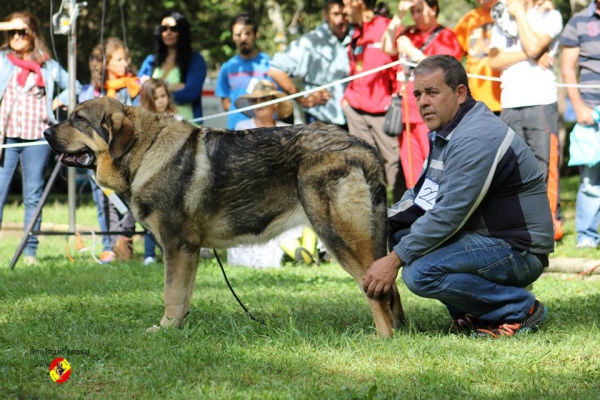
x=514 y=43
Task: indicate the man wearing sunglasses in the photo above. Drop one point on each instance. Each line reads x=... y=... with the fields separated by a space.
x=241 y=72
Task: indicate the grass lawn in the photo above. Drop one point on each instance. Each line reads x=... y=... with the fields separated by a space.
x=319 y=341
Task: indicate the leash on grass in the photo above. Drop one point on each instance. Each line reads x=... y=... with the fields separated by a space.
x=262 y=321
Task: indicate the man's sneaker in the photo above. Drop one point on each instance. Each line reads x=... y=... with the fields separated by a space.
x=107 y=256
x=535 y=317
x=464 y=323
x=149 y=260
x=586 y=243
x=29 y=260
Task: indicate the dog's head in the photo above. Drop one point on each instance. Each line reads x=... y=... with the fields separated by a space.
x=96 y=128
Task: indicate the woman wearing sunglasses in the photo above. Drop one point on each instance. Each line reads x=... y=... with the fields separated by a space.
x=175 y=63
x=28 y=77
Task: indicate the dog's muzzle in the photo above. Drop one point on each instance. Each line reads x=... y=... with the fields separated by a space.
x=83 y=158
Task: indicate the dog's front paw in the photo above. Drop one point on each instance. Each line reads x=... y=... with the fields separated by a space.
x=153 y=329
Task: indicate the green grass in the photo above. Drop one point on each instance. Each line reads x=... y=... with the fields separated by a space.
x=319 y=341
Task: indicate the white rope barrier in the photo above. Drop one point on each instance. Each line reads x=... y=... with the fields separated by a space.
x=323 y=87
x=36 y=143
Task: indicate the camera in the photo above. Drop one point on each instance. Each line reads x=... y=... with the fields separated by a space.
x=504 y=20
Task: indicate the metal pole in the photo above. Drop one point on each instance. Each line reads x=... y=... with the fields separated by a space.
x=35 y=215
x=72 y=67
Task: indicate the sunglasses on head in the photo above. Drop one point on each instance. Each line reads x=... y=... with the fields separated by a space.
x=165 y=28
x=18 y=32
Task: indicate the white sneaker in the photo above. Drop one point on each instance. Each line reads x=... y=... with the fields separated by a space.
x=149 y=260
x=586 y=243
x=29 y=260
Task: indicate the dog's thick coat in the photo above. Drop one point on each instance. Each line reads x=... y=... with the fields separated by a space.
x=196 y=187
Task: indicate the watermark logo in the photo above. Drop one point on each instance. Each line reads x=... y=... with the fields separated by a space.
x=60 y=370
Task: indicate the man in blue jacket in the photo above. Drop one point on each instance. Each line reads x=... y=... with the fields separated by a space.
x=477 y=227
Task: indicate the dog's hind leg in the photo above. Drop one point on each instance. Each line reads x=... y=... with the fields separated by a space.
x=181 y=263
x=342 y=215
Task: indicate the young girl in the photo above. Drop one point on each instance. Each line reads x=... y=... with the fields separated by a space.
x=155 y=97
x=110 y=76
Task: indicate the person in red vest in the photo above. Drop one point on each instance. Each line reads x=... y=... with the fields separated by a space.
x=366 y=99
x=414 y=43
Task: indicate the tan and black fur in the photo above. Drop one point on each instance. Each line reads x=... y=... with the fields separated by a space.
x=197 y=187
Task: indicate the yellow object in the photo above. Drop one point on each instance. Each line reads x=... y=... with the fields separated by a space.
x=303 y=249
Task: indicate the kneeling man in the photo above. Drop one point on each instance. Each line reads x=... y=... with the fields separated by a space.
x=477 y=228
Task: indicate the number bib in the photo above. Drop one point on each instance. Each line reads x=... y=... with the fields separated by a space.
x=427 y=195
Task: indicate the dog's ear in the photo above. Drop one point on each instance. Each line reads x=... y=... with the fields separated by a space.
x=120 y=134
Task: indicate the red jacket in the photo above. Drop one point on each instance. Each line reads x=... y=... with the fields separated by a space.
x=371 y=93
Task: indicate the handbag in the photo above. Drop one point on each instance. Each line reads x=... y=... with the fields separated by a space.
x=392 y=125
x=584 y=147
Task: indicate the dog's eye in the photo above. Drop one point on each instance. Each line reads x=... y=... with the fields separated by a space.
x=78 y=118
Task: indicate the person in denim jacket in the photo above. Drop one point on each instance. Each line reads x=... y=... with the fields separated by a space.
x=28 y=77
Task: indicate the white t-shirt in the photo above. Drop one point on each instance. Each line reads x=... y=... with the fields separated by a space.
x=251 y=124
x=525 y=83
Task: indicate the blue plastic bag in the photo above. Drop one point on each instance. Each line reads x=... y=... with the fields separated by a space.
x=584 y=148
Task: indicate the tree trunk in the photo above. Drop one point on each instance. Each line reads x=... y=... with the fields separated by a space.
x=274 y=12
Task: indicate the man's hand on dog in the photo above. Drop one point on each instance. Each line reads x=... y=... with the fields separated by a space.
x=381 y=275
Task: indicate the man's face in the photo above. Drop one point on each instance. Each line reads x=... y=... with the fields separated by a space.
x=337 y=20
x=244 y=38
x=437 y=102
x=353 y=11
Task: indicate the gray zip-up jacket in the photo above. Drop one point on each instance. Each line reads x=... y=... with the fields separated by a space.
x=480 y=177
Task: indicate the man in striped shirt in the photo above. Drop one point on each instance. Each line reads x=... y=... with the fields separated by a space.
x=580 y=57
x=477 y=227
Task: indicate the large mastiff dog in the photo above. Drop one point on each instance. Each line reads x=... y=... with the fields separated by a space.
x=196 y=187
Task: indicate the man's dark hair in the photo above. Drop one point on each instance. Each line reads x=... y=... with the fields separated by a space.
x=331 y=3
x=370 y=4
x=434 y=3
x=382 y=9
x=454 y=72
x=243 y=18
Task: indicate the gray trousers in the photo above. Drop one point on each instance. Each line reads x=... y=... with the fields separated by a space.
x=369 y=127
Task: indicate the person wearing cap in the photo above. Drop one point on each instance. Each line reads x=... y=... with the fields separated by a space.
x=266 y=116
